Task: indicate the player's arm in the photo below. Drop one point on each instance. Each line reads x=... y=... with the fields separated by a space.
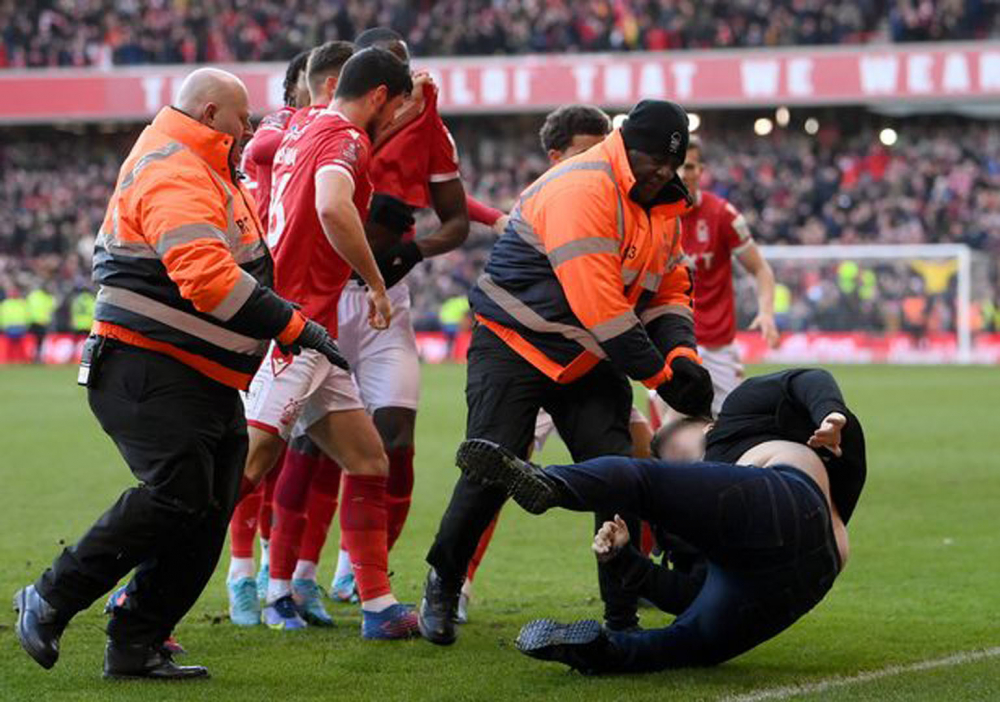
x=481 y=213
x=184 y=221
x=755 y=264
x=343 y=228
x=580 y=238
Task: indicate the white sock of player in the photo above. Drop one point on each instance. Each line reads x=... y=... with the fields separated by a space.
x=240 y=568
x=379 y=603
x=343 y=564
x=467 y=588
x=304 y=570
x=276 y=589
x=264 y=549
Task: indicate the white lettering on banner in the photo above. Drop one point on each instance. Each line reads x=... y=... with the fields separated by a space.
x=989 y=70
x=879 y=74
x=522 y=85
x=956 y=74
x=175 y=88
x=584 y=76
x=493 y=86
x=918 y=73
x=275 y=91
x=651 y=82
x=800 y=76
x=439 y=82
x=618 y=83
x=152 y=91
x=760 y=78
x=683 y=78
x=460 y=92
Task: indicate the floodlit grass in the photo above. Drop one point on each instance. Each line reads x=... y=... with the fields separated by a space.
x=923 y=581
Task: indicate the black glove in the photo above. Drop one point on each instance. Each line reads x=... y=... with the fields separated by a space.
x=397 y=261
x=690 y=391
x=315 y=336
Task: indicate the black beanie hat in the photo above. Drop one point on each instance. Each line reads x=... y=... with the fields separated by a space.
x=658 y=128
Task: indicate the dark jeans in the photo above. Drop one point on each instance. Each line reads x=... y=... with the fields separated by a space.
x=504 y=393
x=766 y=533
x=184 y=438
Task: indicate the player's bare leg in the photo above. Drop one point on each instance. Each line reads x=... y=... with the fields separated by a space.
x=350 y=438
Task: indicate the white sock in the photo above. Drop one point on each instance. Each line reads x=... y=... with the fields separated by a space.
x=379 y=603
x=240 y=568
x=276 y=589
x=343 y=564
x=304 y=570
x=264 y=547
x=467 y=588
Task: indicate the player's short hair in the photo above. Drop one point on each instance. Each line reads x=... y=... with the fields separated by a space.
x=292 y=73
x=670 y=429
x=695 y=143
x=325 y=61
x=570 y=120
x=370 y=68
x=377 y=36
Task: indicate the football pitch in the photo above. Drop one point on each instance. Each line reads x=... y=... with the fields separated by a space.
x=916 y=614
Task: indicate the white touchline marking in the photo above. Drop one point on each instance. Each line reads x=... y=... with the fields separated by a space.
x=781 y=693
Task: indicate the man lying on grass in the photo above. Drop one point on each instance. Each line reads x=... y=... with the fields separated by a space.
x=783 y=467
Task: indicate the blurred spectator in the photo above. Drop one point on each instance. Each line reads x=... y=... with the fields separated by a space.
x=127 y=32
x=940 y=182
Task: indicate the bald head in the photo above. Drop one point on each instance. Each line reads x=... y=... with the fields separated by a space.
x=219 y=100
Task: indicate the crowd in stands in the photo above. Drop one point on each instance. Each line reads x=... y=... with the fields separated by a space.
x=940 y=182
x=129 y=32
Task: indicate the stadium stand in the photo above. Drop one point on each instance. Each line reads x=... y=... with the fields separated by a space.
x=112 y=32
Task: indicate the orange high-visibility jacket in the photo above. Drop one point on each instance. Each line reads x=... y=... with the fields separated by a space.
x=584 y=273
x=181 y=261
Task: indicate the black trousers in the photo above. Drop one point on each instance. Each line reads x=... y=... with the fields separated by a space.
x=766 y=534
x=504 y=393
x=184 y=438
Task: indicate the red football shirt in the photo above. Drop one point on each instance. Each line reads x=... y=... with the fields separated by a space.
x=308 y=270
x=713 y=231
x=259 y=155
x=420 y=153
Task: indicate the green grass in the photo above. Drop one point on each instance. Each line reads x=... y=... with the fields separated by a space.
x=923 y=581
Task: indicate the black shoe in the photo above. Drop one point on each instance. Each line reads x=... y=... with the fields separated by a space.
x=583 y=645
x=438 y=610
x=484 y=461
x=146 y=662
x=39 y=626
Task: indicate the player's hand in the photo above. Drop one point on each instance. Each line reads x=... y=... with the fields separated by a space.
x=500 y=224
x=768 y=328
x=399 y=260
x=315 y=336
x=420 y=79
x=828 y=434
x=610 y=539
x=379 y=310
x=690 y=390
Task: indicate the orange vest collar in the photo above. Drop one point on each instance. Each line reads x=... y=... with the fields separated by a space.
x=210 y=145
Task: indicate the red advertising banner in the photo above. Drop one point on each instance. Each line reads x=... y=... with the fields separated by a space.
x=795 y=348
x=894 y=73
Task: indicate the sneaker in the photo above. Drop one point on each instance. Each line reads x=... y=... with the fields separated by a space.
x=281 y=615
x=344 y=589
x=582 y=645
x=263 y=578
x=462 y=613
x=486 y=462
x=307 y=595
x=244 y=607
x=394 y=622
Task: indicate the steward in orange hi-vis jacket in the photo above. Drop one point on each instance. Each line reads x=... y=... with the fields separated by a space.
x=583 y=290
x=183 y=318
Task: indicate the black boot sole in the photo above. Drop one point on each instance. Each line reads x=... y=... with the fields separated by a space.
x=122 y=677
x=40 y=656
x=580 y=645
x=484 y=461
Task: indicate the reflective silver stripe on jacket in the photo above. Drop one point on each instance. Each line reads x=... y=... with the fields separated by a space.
x=648 y=315
x=616 y=326
x=582 y=247
x=534 y=321
x=181 y=321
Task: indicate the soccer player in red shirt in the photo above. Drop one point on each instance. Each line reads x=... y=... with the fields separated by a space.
x=320 y=198
x=254 y=511
x=414 y=167
x=714 y=233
